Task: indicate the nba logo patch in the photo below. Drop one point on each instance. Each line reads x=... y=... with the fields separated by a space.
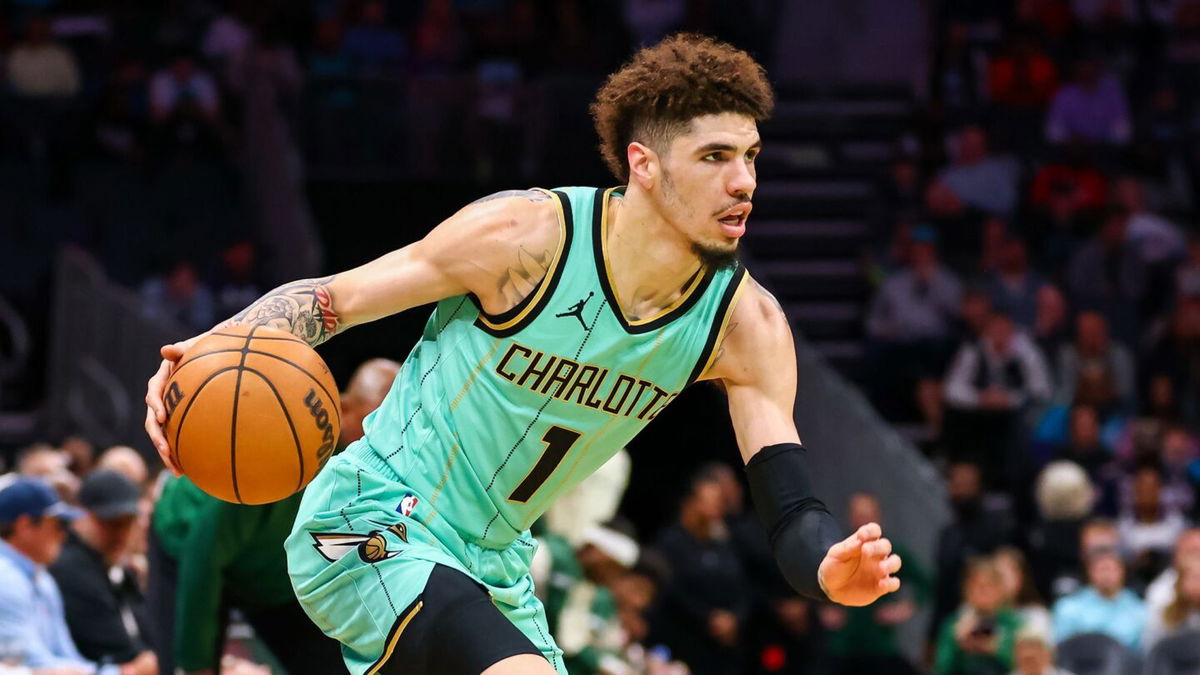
x=407 y=504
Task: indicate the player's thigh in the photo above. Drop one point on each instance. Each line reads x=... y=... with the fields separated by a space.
x=523 y=664
x=458 y=630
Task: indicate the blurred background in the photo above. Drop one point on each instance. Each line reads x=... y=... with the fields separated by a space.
x=979 y=215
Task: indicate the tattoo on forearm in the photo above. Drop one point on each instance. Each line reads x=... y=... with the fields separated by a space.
x=303 y=308
x=518 y=281
x=531 y=195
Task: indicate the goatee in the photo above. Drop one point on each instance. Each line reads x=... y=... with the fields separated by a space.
x=716 y=258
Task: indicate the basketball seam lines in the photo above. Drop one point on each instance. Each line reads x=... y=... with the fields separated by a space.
x=183 y=416
x=291 y=426
x=538 y=415
x=237 y=391
x=386 y=594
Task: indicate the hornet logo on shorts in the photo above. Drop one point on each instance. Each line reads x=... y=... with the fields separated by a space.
x=371 y=547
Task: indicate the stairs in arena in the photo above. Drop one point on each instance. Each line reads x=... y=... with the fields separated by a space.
x=826 y=155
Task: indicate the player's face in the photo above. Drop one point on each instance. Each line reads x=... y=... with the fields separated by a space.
x=708 y=180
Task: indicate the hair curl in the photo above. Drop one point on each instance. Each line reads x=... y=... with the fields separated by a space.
x=653 y=97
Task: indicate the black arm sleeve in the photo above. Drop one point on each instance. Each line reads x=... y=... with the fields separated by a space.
x=799 y=527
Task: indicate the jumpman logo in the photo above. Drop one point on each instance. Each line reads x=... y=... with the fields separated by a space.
x=577 y=310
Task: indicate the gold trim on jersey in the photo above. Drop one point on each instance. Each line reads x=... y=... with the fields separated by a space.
x=534 y=300
x=724 y=326
x=696 y=279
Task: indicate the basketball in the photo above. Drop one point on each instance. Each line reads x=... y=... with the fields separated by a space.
x=252 y=414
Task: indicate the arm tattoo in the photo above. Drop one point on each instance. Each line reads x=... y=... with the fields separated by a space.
x=531 y=195
x=522 y=278
x=303 y=308
x=721 y=347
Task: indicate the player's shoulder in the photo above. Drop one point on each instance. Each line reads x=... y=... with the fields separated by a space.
x=757 y=331
x=756 y=309
x=518 y=216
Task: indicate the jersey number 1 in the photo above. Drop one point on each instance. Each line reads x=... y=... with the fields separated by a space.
x=558 y=441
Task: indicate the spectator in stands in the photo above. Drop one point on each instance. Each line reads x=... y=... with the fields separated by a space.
x=1085 y=449
x=1014 y=286
x=1034 y=654
x=978 y=528
x=368 y=385
x=38 y=67
x=101 y=598
x=1091 y=108
x=31 y=607
x=1022 y=77
x=127 y=462
x=1148 y=527
x=1187 y=275
x=864 y=639
x=237 y=282
x=911 y=318
x=1181 y=470
x=1104 y=606
x=975 y=180
x=580 y=609
x=229 y=35
x=1096 y=370
x=50 y=464
x=180 y=296
x=1161 y=591
x=183 y=87
x=705 y=605
x=1182 y=611
x=958 y=80
x=1107 y=274
x=979 y=637
x=1020 y=592
x=1058 y=538
x=990 y=384
x=81 y=454
x=636 y=591
x=1071 y=178
x=1050 y=320
x=1156 y=238
x=375 y=48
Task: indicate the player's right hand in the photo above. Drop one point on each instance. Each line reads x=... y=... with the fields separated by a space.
x=156 y=411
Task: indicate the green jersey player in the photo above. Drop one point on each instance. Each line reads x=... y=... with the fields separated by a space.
x=565 y=320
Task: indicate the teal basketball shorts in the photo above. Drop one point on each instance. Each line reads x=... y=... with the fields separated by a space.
x=372 y=565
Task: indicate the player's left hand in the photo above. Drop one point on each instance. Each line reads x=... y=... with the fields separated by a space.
x=859 y=569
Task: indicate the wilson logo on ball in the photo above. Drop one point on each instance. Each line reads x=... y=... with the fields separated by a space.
x=172 y=398
x=321 y=417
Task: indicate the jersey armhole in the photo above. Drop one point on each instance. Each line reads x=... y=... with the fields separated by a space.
x=513 y=320
x=720 y=323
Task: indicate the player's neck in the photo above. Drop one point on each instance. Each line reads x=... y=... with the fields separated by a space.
x=650 y=262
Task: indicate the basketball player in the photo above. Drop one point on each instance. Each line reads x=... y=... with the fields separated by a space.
x=565 y=321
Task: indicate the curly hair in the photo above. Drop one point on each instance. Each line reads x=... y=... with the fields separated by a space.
x=653 y=97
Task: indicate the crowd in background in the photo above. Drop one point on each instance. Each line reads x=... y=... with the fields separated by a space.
x=1037 y=308
x=1036 y=316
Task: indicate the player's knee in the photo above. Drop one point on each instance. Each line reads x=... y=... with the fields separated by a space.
x=521 y=664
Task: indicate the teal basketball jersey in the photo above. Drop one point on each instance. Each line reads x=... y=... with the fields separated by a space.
x=491 y=417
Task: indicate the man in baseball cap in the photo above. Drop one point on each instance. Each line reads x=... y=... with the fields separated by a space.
x=31 y=611
x=104 y=606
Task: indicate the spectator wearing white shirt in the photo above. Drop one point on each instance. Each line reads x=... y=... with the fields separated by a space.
x=991 y=382
x=1182 y=612
x=38 y=67
x=1147 y=526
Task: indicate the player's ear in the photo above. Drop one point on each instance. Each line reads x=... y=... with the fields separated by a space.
x=643 y=164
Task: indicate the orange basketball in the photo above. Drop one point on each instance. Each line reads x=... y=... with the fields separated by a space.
x=252 y=414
